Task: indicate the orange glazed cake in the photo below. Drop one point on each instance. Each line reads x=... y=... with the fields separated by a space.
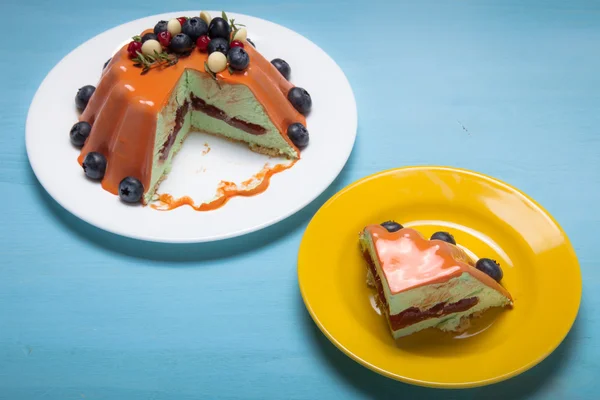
x=424 y=283
x=186 y=74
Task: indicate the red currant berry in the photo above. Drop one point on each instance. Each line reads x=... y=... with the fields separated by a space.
x=202 y=43
x=133 y=48
x=164 y=38
x=236 y=43
x=182 y=20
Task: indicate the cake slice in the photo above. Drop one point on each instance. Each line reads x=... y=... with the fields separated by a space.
x=426 y=283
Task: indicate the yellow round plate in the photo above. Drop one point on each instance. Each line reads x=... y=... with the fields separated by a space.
x=487 y=217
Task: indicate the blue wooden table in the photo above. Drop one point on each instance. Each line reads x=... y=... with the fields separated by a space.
x=509 y=88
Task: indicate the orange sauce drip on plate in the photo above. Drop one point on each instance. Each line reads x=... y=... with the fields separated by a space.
x=226 y=191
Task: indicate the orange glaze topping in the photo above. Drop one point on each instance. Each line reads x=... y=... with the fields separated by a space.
x=408 y=260
x=124 y=108
x=226 y=191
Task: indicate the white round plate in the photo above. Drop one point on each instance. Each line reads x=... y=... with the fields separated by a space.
x=332 y=125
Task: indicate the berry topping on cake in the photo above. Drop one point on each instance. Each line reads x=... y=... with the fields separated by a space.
x=94 y=165
x=300 y=99
x=194 y=28
x=164 y=38
x=391 y=226
x=251 y=42
x=106 y=63
x=490 y=267
x=161 y=26
x=149 y=36
x=151 y=47
x=283 y=67
x=79 y=133
x=133 y=48
x=205 y=16
x=218 y=44
x=219 y=28
x=238 y=59
x=298 y=135
x=174 y=26
x=131 y=190
x=83 y=96
x=181 y=43
x=236 y=43
x=217 y=62
x=444 y=237
x=202 y=43
x=240 y=34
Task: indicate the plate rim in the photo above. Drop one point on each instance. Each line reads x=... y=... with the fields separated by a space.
x=185 y=239
x=418 y=382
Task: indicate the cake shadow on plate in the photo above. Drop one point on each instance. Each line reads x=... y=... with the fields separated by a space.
x=188 y=252
x=372 y=385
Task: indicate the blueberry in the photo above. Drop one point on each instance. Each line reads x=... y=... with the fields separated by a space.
x=194 y=28
x=251 y=42
x=283 y=67
x=300 y=99
x=218 y=44
x=149 y=36
x=238 y=58
x=444 y=237
x=219 y=28
x=79 y=133
x=94 y=165
x=181 y=43
x=490 y=267
x=131 y=190
x=83 y=96
x=161 y=26
x=391 y=226
x=106 y=63
x=298 y=135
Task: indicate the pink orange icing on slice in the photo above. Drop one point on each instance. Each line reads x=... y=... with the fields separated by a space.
x=408 y=260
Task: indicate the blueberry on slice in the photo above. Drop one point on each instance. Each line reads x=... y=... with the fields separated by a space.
x=283 y=67
x=149 y=36
x=194 y=28
x=131 y=190
x=238 y=58
x=444 y=237
x=218 y=44
x=391 y=226
x=490 y=267
x=79 y=133
x=106 y=63
x=181 y=43
x=219 y=28
x=298 y=135
x=83 y=96
x=94 y=165
x=161 y=26
x=300 y=99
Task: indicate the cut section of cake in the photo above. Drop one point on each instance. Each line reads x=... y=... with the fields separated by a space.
x=424 y=283
x=160 y=87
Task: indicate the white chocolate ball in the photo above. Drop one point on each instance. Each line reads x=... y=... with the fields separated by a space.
x=174 y=27
x=241 y=35
x=217 y=62
x=151 y=46
x=205 y=16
